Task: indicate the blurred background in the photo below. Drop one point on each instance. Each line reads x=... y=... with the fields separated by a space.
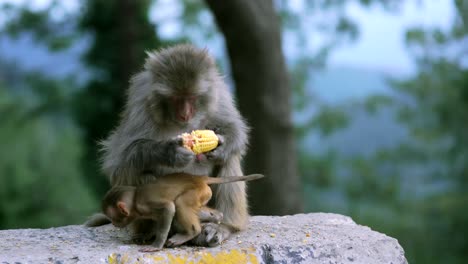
x=375 y=95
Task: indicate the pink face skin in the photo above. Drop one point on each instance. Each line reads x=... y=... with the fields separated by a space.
x=118 y=218
x=184 y=107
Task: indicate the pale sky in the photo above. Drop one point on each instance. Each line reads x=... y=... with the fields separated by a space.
x=381 y=42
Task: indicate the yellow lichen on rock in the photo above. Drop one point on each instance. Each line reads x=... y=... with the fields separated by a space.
x=116 y=258
x=226 y=257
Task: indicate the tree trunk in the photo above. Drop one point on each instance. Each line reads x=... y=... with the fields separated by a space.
x=121 y=33
x=128 y=27
x=253 y=39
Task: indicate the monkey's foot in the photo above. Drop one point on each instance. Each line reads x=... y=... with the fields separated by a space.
x=149 y=249
x=211 y=216
x=212 y=235
x=177 y=240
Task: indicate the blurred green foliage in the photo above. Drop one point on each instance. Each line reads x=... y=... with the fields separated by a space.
x=415 y=191
x=41 y=181
x=438 y=124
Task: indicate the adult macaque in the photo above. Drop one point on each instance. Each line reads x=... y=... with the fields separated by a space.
x=179 y=197
x=180 y=90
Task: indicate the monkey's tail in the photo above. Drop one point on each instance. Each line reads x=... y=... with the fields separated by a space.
x=219 y=180
x=97 y=219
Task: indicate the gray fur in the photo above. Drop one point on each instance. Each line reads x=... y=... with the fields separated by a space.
x=97 y=219
x=144 y=144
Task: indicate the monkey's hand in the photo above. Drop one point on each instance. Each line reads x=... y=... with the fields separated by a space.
x=212 y=235
x=219 y=154
x=177 y=155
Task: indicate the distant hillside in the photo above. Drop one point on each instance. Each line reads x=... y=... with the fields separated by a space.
x=29 y=55
x=366 y=132
x=338 y=84
x=335 y=86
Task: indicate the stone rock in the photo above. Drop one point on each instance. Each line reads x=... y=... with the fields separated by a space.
x=303 y=238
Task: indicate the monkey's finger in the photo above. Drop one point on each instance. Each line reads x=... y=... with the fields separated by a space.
x=149 y=249
x=201 y=157
x=182 y=157
x=185 y=152
x=210 y=231
x=216 y=155
x=170 y=243
x=220 y=139
x=209 y=235
x=213 y=234
x=179 y=140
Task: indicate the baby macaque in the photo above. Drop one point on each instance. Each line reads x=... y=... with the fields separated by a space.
x=177 y=196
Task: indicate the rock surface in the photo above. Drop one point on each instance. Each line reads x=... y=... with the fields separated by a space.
x=304 y=238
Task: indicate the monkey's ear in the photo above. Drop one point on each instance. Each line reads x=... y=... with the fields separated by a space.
x=123 y=208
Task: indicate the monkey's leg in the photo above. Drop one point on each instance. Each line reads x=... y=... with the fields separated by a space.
x=164 y=222
x=188 y=206
x=163 y=213
x=206 y=214
x=231 y=200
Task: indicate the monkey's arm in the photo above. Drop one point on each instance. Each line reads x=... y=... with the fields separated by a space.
x=232 y=133
x=141 y=155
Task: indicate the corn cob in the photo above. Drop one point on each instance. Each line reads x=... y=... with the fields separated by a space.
x=200 y=141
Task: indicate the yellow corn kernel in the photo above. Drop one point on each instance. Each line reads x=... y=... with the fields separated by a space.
x=200 y=141
x=204 y=141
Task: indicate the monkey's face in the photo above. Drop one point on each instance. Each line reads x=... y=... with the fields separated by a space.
x=183 y=107
x=183 y=85
x=180 y=109
x=188 y=108
x=117 y=217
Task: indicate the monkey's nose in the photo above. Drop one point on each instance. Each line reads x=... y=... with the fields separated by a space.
x=184 y=118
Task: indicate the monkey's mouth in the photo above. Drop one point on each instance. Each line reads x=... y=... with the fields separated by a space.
x=182 y=121
x=119 y=225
